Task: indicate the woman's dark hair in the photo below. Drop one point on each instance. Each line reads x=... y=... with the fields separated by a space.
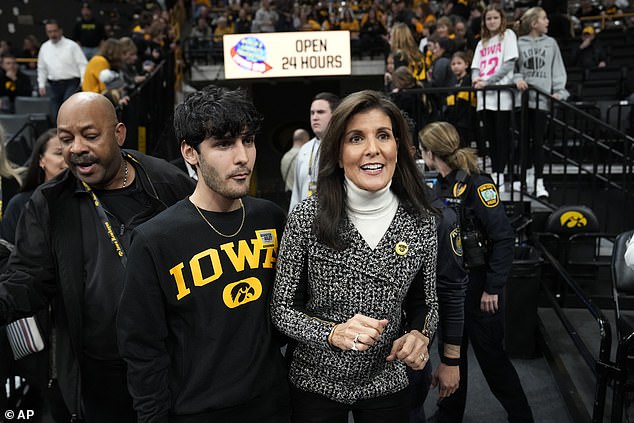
x=403 y=78
x=465 y=56
x=215 y=112
x=407 y=182
x=34 y=173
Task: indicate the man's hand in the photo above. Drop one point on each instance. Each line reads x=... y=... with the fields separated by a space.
x=585 y=43
x=11 y=74
x=489 y=303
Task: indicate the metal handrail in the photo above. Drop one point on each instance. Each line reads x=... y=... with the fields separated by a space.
x=602 y=367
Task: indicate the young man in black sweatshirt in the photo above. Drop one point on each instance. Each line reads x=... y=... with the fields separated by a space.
x=193 y=321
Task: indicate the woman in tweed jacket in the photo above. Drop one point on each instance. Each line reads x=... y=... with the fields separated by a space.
x=355 y=284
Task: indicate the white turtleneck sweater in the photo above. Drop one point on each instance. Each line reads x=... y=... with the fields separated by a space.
x=370 y=212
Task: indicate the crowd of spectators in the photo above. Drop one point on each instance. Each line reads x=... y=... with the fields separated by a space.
x=118 y=58
x=373 y=20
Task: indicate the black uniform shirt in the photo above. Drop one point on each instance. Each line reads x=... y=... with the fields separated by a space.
x=480 y=199
x=451 y=278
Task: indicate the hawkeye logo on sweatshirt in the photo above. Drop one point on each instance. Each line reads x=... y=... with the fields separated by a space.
x=242 y=292
x=207 y=266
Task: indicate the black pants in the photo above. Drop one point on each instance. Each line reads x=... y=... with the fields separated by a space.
x=497 y=131
x=105 y=392
x=533 y=153
x=271 y=407
x=419 y=382
x=60 y=91
x=486 y=334
x=309 y=407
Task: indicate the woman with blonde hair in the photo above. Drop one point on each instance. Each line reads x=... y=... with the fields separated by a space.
x=487 y=250
x=439 y=139
x=406 y=52
x=541 y=65
x=108 y=57
x=493 y=64
x=444 y=27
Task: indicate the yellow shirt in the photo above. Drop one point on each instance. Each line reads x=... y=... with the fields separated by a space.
x=91 y=80
x=219 y=32
x=352 y=26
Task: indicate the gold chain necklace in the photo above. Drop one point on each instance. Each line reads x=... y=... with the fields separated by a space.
x=216 y=230
x=125 y=173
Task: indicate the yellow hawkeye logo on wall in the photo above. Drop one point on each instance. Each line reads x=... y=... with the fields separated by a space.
x=242 y=292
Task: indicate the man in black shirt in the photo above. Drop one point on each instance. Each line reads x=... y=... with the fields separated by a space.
x=193 y=322
x=589 y=53
x=88 y=32
x=71 y=252
x=13 y=82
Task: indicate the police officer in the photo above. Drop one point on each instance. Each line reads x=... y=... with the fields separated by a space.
x=487 y=246
x=451 y=282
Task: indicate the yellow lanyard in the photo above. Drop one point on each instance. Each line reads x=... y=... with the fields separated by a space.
x=101 y=213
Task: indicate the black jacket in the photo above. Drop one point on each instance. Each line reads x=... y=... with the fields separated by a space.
x=21 y=86
x=47 y=265
x=481 y=202
x=451 y=278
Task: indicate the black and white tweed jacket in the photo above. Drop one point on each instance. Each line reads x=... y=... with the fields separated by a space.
x=317 y=287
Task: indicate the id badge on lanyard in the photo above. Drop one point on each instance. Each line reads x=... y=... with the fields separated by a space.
x=312 y=187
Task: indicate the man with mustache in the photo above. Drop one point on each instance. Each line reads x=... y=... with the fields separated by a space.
x=71 y=251
x=193 y=322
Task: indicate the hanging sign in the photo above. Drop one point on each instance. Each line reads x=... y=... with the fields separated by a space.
x=287 y=54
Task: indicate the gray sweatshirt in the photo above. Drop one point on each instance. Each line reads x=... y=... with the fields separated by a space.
x=540 y=64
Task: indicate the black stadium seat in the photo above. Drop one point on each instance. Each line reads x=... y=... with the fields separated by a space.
x=622 y=287
x=40 y=106
x=20 y=134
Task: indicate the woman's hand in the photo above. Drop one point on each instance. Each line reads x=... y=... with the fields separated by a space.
x=521 y=85
x=411 y=349
x=479 y=84
x=447 y=378
x=358 y=333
